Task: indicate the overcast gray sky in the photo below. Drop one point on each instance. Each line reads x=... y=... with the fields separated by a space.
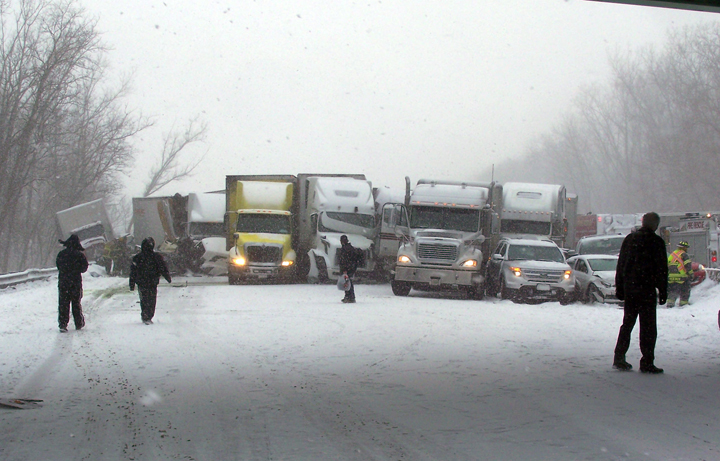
x=386 y=88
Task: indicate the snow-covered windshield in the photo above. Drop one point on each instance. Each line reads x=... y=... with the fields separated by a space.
x=603 y=246
x=431 y=217
x=535 y=253
x=603 y=264
x=512 y=226
x=263 y=223
x=356 y=223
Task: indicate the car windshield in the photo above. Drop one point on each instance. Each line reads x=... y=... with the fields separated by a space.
x=432 y=217
x=602 y=264
x=604 y=246
x=263 y=223
x=535 y=253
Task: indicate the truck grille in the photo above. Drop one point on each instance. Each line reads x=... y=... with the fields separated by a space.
x=263 y=254
x=537 y=275
x=437 y=251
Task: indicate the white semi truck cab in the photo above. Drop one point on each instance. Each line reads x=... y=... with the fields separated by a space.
x=534 y=211
x=332 y=206
x=447 y=232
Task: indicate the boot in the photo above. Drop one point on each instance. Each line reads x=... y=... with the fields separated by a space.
x=621 y=364
x=652 y=369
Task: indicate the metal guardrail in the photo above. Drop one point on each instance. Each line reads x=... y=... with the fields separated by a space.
x=29 y=275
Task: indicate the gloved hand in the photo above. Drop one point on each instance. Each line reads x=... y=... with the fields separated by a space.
x=169 y=280
x=620 y=293
x=662 y=297
x=132 y=287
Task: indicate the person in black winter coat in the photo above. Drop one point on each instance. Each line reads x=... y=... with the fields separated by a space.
x=641 y=280
x=71 y=263
x=145 y=271
x=349 y=259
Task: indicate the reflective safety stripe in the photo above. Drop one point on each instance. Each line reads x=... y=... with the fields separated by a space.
x=677 y=259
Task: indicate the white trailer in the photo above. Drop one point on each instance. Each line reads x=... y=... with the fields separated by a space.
x=90 y=222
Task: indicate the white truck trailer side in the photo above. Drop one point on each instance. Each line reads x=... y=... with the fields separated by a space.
x=534 y=211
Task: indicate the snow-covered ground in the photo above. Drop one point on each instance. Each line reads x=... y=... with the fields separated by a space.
x=287 y=372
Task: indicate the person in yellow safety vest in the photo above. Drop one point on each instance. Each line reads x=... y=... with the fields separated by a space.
x=680 y=275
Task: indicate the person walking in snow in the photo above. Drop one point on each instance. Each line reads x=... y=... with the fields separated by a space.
x=641 y=280
x=145 y=271
x=349 y=258
x=71 y=263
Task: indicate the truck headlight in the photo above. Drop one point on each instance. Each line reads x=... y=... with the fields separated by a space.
x=287 y=263
x=470 y=263
x=403 y=259
x=239 y=261
x=567 y=275
x=516 y=271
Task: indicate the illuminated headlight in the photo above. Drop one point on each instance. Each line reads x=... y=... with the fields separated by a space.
x=239 y=261
x=287 y=263
x=516 y=271
x=403 y=259
x=470 y=263
x=567 y=275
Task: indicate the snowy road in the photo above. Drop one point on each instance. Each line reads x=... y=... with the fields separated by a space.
x=290 y=373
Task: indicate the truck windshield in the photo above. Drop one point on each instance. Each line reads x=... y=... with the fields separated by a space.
x=263 y=223
x=432 y=217
x=513 y=226
x=535 y=253
x=356 y=223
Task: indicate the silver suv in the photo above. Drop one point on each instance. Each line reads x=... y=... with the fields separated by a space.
x=521 y=269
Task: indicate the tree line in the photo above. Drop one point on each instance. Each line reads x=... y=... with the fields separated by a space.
x=65 y=131
x=646 y=139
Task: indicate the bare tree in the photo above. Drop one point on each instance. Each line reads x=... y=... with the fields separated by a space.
x=170 y=168
x=63 y=137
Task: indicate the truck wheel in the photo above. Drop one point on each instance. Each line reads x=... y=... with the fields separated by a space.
x=475 y=292
x=400 y=288
x=233 y=280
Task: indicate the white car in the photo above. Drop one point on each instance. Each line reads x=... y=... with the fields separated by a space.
x=522 y=269
x=595 y=277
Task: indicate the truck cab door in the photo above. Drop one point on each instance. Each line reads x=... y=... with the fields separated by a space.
x=387 y=241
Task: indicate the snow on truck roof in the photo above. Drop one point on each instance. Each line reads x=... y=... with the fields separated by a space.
x=530 y=196
x=204 y=207
x=428 y=192
x=346 y=193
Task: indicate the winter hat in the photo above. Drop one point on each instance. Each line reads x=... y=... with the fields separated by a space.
x=344 y=239
x=148 y=244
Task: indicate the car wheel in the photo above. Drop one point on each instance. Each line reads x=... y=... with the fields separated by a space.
x=400 y=288
x=594 y=295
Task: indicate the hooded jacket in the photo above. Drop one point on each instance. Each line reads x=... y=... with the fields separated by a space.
x=71 y=263
x=147 y=267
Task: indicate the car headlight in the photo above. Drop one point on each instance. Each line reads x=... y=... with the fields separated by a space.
x=403 y=259
x=470 y=263
x=239 y=261
x=516 y=271
x=567 y=275
x=606 y=284
x=287 y=263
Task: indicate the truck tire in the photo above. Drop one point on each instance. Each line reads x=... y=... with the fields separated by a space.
x=400 y=288
x=505 y=292
x=233 y=280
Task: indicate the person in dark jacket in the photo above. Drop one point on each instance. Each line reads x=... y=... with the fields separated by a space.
x=145 y=271
x=349 y=258
x=641 y=280
x=71 y=263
